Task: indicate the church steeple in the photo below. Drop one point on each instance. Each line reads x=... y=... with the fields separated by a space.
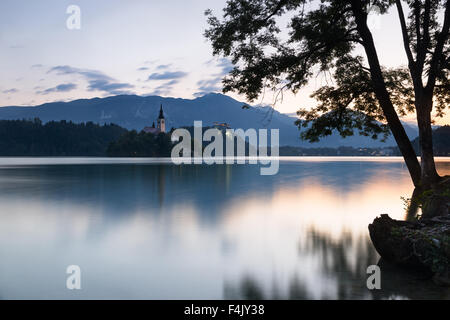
x=161 y=113
x=161 y=120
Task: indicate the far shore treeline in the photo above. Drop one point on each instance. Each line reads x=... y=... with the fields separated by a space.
x=68 y=139
x=63 y=138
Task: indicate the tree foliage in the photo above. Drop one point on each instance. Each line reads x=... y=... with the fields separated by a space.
x=33 y=138
x=134 y=144
x=280 y=45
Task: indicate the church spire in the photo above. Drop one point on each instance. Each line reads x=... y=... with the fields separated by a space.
x=161 y=121
x=161 y=113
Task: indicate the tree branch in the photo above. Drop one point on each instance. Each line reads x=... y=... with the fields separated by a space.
x=406 y=40
x=438 y=52
x=277 y=8
x=417 y=17
x=423 y=45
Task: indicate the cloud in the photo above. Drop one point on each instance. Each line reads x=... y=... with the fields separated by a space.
x=65 y=87
x=225 y=65
x=172 y=82
x=38 y=65
x=158 y=67
x=150 y=61
x=214 y=84
x=163 y=66
x=168 y=75
x=9 y=91
x=86 y=73
x=208 y=86
x=164 y=88
x=98 y=81
x=113 y=88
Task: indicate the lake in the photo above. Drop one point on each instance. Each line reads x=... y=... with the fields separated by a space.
x=147 y=229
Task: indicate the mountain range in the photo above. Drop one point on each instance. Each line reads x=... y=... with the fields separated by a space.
x=137 y=112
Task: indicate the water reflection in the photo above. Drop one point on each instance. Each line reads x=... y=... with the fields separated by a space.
x=347 y=274
x=341 y=266
x=154 y=231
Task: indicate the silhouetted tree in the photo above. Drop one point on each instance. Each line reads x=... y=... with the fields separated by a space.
x=323 y=35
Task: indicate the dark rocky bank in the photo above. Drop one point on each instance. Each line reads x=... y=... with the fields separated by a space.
x=422 y=244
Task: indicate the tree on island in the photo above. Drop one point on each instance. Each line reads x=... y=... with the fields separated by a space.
x=324 y=36
x=141 y=144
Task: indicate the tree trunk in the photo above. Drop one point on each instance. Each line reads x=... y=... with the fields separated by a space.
x=397 y=129
x=429 y=175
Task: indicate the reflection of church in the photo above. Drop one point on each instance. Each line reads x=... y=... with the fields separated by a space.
x=161 y=124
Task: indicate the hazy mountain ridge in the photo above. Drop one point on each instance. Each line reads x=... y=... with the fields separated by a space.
x=136 y=112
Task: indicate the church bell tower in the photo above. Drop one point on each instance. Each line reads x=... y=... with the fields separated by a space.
x=161 y=121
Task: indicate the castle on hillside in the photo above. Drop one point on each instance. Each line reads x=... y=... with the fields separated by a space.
x=161 y=124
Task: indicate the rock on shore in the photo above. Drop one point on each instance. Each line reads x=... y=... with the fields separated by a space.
x=422 y=245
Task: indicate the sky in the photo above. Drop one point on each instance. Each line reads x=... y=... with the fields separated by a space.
x=144 y=47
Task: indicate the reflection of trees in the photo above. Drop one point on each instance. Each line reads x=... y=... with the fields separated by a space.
x=345 y=261
x=250 y=289
x=342 y=262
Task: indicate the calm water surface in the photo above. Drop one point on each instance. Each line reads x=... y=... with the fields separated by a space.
x=146 y=229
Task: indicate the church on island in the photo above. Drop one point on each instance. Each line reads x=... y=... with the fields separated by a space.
x=161 y=124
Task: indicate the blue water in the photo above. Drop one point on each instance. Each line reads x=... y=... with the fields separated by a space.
x=147 y=229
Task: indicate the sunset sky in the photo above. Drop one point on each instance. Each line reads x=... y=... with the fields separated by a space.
x=128 y=47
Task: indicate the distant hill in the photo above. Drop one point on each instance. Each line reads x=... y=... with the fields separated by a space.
x=441 y=142
x=136 y=112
